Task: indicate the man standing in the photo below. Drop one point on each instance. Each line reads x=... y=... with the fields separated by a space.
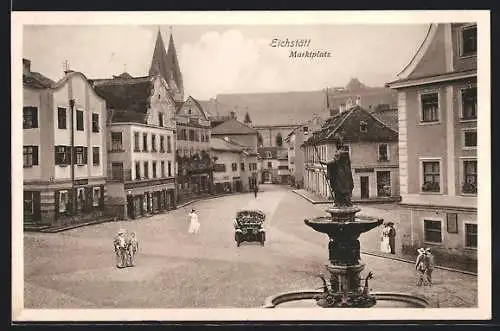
x=392 y=237
x=194 y=224
x=255 y=190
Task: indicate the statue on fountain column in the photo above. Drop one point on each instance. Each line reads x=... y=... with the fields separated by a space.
x=340 y=175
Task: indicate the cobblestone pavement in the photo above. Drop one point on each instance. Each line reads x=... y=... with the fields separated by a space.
x=76 y=268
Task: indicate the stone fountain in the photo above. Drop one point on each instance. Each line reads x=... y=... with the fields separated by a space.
x=345 y=287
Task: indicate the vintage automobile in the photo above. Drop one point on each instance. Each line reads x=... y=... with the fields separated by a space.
x=249 y=226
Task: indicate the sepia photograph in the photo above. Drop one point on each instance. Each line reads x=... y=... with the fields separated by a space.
x=251 y=166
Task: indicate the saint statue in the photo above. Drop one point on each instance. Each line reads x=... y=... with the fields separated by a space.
x=340 y=175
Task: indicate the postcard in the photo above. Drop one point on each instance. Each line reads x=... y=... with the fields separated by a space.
x=251 y=166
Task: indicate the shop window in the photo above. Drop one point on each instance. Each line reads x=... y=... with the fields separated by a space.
x=432 y=231
x=470 y=235
x=29 y=205
x=96 y=196
x=63 y=201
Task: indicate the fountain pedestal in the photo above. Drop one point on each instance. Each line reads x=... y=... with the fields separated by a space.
x=344 y=267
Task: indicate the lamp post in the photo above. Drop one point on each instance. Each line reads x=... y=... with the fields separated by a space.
x=72 y=155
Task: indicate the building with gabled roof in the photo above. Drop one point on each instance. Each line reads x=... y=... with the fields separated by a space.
x=64 y=161
x=195 y=166
x=437 y=105
x=246 y=137
x=372 y=146
x=141 y=140
x=235 y=167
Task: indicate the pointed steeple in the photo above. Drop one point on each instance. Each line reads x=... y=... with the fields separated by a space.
x=165 y=64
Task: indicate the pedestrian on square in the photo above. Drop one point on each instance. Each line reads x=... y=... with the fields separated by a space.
x=430 y=266
x=424 y=266
x=133 y=247
x=392 y=237
x=384 y=240
x=194 y=224
x=120 y=244
x=255 y=190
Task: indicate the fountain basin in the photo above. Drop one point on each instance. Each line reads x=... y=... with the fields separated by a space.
x=326 y=225
x=305 y=299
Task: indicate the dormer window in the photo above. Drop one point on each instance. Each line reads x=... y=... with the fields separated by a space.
x=363 y=126
x=269 y=155
x=468 y=40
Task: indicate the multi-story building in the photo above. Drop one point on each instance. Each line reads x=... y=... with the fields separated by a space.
x=294 y=142
x=437 y=104
x=373 y=149
x=195 y=166
x=274 y=165
x=63 y=158
x=140 y=144
x=231 y=165
x=246 y=137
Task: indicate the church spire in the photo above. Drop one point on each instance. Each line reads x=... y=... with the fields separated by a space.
x=165 y=64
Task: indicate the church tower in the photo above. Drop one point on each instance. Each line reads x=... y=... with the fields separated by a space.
x=166 y=64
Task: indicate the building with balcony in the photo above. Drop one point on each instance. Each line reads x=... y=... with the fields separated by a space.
x=373 y=149
x=195 y=166
x=294 y=143
x=245 y=137
x=140 y=144
x=437 y=105
x=274 y=165
x=63 y=149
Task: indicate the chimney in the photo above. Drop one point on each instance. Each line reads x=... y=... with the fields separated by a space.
x=26 y=66
x=342 y=108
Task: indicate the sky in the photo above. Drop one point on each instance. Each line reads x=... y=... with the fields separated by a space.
x=229 y=58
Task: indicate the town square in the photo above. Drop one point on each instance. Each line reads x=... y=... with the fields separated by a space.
x=207 y=167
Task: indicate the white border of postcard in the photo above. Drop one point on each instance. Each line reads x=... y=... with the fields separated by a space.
x=483 y=311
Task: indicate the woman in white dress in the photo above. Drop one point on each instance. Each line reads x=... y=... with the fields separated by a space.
x=194 y=224
x=385 y=246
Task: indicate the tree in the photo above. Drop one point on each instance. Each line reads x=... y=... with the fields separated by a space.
x=279 y=140
x=247 y=118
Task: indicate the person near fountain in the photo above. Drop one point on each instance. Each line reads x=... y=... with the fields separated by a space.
x=340 y=175
x=424 y=266
x=385 y=246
